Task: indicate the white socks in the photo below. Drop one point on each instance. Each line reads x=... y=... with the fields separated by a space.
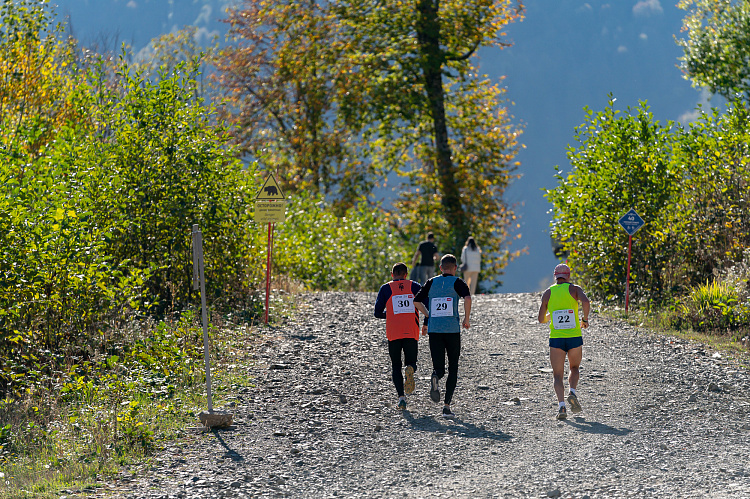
x=572 y=391
x=561 y=404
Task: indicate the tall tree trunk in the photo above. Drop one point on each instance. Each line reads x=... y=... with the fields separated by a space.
x=433 y=58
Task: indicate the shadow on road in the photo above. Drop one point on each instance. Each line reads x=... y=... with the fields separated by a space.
x=456 y=425
x=580 y=424
x=230 y=453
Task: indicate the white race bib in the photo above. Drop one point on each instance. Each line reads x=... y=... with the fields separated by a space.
x=564 y=319
x=442 y=307
x=403 y=304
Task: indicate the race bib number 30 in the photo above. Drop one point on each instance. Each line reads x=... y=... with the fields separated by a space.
x=442 y=307
x=403 y=304
x=564 y=319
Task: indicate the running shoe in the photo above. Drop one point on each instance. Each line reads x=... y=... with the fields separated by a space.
x=434 y=388
x=575 y=406
x=409 y=380
x=447 y=413
x=562 y=413
x=401 y=405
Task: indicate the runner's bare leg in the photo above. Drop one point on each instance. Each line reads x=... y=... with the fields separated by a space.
x=557 y=360
x=574 y=360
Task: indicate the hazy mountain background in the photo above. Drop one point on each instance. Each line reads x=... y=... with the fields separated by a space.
x=567 y=54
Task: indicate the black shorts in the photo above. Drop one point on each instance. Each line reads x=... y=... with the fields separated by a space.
x=566 y=343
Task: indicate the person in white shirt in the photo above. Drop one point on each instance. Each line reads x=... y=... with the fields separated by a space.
x=471 y=262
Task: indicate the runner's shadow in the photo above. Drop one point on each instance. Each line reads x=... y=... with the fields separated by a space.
x=456 y=425
x=230 y=453
x=580 y=424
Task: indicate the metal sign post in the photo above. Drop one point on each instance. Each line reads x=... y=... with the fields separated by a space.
x=210 y=419
x=270 y=208
x=631 y=222
x=199 y=281
x=268 y=269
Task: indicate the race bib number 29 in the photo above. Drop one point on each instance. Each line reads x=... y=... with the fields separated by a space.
x=442 y=307
x=403 y=304
x=564 y=319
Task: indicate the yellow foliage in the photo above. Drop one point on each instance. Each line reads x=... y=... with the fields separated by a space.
x=36 y=83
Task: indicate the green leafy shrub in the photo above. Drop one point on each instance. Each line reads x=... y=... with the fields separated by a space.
x=710 y=306
x=325 y=250
x=98 y=225
x=689 y=186
x=169 y=166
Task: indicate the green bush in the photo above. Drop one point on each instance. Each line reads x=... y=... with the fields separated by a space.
x=688 y=185
x=169 y=166
x=327 y=251
x=710 y=306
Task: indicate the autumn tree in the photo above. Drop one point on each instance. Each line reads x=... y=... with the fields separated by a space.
x=37 y=77
x=282 y=74
x=340 y=95
x=717 y=47
x=422 y=101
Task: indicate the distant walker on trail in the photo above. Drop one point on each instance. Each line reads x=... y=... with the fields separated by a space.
x=471 y=263
x=560 y=303
x=427 y=254
x=438 y=301
x=395 y=304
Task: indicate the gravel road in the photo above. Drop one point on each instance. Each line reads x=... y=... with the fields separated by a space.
x=662 y=417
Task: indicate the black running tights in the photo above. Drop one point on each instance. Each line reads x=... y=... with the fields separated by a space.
x=440 y=345
x=409 y=347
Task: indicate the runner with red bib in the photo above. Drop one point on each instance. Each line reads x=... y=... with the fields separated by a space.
x=395 y=304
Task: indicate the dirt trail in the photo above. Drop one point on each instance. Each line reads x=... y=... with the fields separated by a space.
x=662 y=417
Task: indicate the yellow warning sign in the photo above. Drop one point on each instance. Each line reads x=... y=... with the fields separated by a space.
x=270 y=212
x=270 y=190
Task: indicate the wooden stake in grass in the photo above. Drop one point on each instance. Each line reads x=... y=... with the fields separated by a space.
x=210 y=418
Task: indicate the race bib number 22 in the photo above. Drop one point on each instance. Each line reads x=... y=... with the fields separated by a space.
x=564 y=319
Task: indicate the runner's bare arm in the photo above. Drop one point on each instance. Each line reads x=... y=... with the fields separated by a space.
x=578 y=293
x=420 y=306
x=467 y=311
x=543 y=315
x=586 y=308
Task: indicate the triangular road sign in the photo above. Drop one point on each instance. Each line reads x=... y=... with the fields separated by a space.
x=270 y=190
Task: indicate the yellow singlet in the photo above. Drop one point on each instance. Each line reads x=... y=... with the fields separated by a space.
x=564 y=311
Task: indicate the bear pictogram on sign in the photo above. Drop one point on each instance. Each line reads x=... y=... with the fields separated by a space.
x=270 y=191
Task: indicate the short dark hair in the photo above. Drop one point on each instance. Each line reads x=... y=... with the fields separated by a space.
x=399 y=269
x=430 y=235
x=448 y=260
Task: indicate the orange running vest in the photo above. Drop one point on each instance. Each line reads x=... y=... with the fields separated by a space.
x=401 y=318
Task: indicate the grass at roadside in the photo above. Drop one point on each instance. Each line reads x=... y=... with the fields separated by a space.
x=735 y=342
x=77 y=427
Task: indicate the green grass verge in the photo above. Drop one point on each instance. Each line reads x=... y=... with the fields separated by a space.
x=104 y=417
x=732 y=341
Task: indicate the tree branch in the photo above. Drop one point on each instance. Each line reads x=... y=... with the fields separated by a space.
x=465 y=55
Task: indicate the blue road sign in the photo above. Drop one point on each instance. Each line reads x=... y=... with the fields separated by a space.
x=631 y=222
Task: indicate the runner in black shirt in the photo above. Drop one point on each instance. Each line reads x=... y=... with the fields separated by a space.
x=429 y=255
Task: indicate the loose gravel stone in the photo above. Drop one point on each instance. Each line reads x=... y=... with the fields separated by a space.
x=662 y=417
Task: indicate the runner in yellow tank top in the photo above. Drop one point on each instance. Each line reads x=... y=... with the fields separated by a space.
x=560 y=305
